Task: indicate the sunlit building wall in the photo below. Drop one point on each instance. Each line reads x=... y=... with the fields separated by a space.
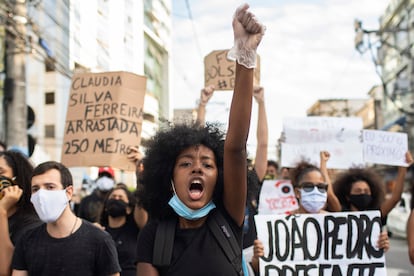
x=95 y=36
x=157 y=48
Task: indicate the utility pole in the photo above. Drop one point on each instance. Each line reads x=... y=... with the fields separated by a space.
x=16 y=121
x=402 y=86
x=409 y=128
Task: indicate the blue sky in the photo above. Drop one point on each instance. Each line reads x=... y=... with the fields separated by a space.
x=306 y=54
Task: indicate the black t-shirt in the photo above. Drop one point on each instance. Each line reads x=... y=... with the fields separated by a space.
x=125 y=238
x=252 y=201
x=195 y=251
x=20 y=222
x=89 y=251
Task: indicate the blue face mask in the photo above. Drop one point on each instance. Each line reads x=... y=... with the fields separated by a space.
x=313 y=201
x=183 y=211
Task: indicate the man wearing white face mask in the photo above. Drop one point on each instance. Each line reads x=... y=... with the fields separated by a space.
x=65 y=244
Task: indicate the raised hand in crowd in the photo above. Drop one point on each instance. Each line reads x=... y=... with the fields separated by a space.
x=262 y=134
x=134 y=155
x=205 y=96
x=332 y=203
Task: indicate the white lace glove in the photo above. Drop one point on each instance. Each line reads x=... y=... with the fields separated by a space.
x=248 y=33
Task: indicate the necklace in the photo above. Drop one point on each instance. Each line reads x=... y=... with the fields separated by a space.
x=74 y=225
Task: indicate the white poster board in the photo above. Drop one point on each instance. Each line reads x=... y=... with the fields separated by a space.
x=277 y=197
x=341 y=243
x=316 y=129
x=342 y=156
x=385 y=147
x=305 y=137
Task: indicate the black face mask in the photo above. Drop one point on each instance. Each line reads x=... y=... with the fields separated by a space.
x=361 y=201
x=116 y=208
x=4 y=183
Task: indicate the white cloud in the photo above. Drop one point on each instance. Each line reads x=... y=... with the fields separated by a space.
x=306 y=54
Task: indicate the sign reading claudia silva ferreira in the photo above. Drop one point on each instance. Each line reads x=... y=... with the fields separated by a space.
x=104 y=118
x=342 y=243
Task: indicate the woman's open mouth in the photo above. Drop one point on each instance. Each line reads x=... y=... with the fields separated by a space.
x=196 y=190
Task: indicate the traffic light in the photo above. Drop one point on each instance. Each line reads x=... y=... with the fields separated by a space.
x=31 y=141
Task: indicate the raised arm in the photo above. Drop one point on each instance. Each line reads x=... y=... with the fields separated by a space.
x=260 y=162
x=11 y=195
x=410 y=236
x=390 y=203
x=134 y=155
x=248 y=33
x=19 y=273
x=332 y=201
x=140 y=215
x=205 y=96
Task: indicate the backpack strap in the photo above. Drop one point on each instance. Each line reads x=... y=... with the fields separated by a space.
x=226 y=239
x=218 y=225
x=164 y=242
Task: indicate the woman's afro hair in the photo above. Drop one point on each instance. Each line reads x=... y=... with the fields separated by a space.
x=162 y=151
x=344 y=181
x=302 y=168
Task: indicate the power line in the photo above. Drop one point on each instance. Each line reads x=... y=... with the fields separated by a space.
x=57 y=23
x=180 y=71
x=194 y=29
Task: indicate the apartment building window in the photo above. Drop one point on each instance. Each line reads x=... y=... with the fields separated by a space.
x=50 y=97
x=50 y=65
x=49 y=131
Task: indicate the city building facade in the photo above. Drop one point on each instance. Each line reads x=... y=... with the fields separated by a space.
x=395 y=60
x=75 y=36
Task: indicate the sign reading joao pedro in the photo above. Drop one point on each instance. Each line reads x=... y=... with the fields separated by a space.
x=104 y=118
x=221 y=72
x=340 y=244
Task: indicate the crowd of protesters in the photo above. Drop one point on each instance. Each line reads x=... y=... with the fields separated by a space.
x=192 y=180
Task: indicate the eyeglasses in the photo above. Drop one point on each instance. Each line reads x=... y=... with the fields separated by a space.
x=309 y=187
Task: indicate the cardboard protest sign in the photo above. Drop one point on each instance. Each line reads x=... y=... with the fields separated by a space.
x=341 y=243
x=384 y=147
x=277 y=197
x=221 y=72
x=104 y=118
x=306 y=137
